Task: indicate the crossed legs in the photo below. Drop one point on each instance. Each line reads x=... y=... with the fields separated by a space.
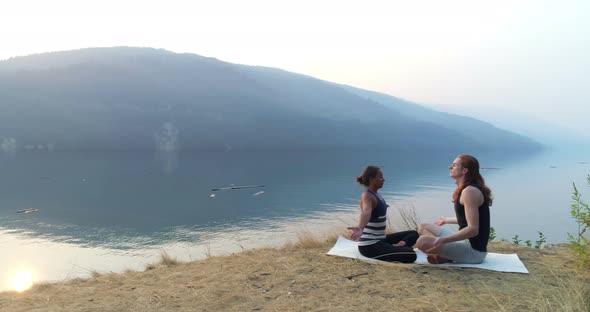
x=428 y=233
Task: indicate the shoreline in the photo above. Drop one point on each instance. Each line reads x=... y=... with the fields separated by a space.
x=65 y=261
x=300 y=277
x=51 y=261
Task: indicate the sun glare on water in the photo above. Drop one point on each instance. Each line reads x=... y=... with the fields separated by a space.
x=22 y=280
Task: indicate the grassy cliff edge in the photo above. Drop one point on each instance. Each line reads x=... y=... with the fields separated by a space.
x=301 y=277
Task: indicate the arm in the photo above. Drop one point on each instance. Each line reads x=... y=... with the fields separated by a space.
x=472 y=198
x=445 y=220
x=366 y=209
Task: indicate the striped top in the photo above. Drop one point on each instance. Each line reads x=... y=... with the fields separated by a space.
x=375 y=229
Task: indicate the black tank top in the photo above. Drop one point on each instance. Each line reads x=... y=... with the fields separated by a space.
x=480 y=241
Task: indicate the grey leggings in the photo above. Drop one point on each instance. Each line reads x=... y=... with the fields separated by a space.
x=460 y=251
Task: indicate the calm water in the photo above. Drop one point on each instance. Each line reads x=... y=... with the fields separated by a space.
x=116 y=211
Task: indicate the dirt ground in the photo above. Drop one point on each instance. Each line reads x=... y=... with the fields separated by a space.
x=304 y=278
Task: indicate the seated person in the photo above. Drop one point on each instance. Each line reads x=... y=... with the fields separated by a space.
x=371 y=227
x=472 y=200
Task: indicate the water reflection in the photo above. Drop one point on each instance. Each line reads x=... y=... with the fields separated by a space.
x=116 y=211
x=53 y=260
x=8 y=147
x=168 y=160
x=21 y=280
x=99 y=197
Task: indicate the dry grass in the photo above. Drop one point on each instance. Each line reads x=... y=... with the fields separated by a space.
x=573 y=295
x=167 y=260
x=404 y=219
x=301 y=277
x=409 y=218
x=94 y=274
x=307 y=240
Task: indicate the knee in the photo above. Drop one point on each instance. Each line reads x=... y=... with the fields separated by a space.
x=422 y=228
x=423 y=243
x=419 y=243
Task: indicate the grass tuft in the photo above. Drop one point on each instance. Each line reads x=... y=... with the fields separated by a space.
x=167 y=260
x=409 y=218
x=307 y=240
x=95 y=274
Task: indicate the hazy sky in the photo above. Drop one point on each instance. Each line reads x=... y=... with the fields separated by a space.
x=524 y=56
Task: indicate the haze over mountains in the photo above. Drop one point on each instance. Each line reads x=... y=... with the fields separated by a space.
x=143 y=98
x=525 y=124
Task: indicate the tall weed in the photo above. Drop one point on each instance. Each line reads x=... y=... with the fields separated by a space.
x=580 y=211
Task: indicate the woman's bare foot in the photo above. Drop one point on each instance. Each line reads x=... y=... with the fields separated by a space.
x=436 y=259
x=400 y=244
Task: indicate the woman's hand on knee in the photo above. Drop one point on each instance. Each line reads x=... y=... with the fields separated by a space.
x=436 y=244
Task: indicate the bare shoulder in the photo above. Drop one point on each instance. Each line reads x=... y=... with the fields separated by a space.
x=471 y=194
x=367 y=201
x=367 y=196
x=472 y=190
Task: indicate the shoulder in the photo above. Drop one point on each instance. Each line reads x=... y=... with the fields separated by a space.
x=367 y=196
x=472 y=190
x=471 y=193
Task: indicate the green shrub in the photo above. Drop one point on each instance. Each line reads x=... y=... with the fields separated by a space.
x=492 y=234
x=515 y=240
x=542 y=240
x=580 y=211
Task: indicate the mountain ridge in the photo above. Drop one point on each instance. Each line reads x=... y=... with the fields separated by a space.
x=134 y=98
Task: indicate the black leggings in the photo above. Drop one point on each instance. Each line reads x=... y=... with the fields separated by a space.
x=383 y=250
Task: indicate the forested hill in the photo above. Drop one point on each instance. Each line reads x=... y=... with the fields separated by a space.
x=143 y=98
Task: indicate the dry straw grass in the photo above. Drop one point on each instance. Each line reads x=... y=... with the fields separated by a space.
x=404 y=219
x=307 y=240
x=409 y=218
x=572 y=295
x=167 y=260
x=301 y=277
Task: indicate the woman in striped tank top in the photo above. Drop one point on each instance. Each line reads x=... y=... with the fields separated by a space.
x=370 y=232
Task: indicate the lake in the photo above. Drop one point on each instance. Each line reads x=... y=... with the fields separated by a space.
x=112 y=211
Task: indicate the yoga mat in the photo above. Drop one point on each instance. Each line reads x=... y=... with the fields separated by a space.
x=494 y=261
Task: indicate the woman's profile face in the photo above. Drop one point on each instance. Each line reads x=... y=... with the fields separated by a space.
x=456 y=168
x=378 y=180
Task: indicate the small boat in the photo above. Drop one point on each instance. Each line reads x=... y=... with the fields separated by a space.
x=236 y=187
x=27 y=210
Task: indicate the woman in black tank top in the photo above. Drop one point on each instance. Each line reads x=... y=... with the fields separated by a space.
x=472 y=200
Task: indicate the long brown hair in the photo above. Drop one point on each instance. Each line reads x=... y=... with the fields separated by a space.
x=472 y=177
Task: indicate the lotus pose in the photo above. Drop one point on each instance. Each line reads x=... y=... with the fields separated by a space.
x=370 y=232
x=472 y=200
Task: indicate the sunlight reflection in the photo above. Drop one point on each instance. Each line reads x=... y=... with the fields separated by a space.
x=22 y=280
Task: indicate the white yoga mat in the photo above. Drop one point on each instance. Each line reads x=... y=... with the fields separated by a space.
x=494 y=261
